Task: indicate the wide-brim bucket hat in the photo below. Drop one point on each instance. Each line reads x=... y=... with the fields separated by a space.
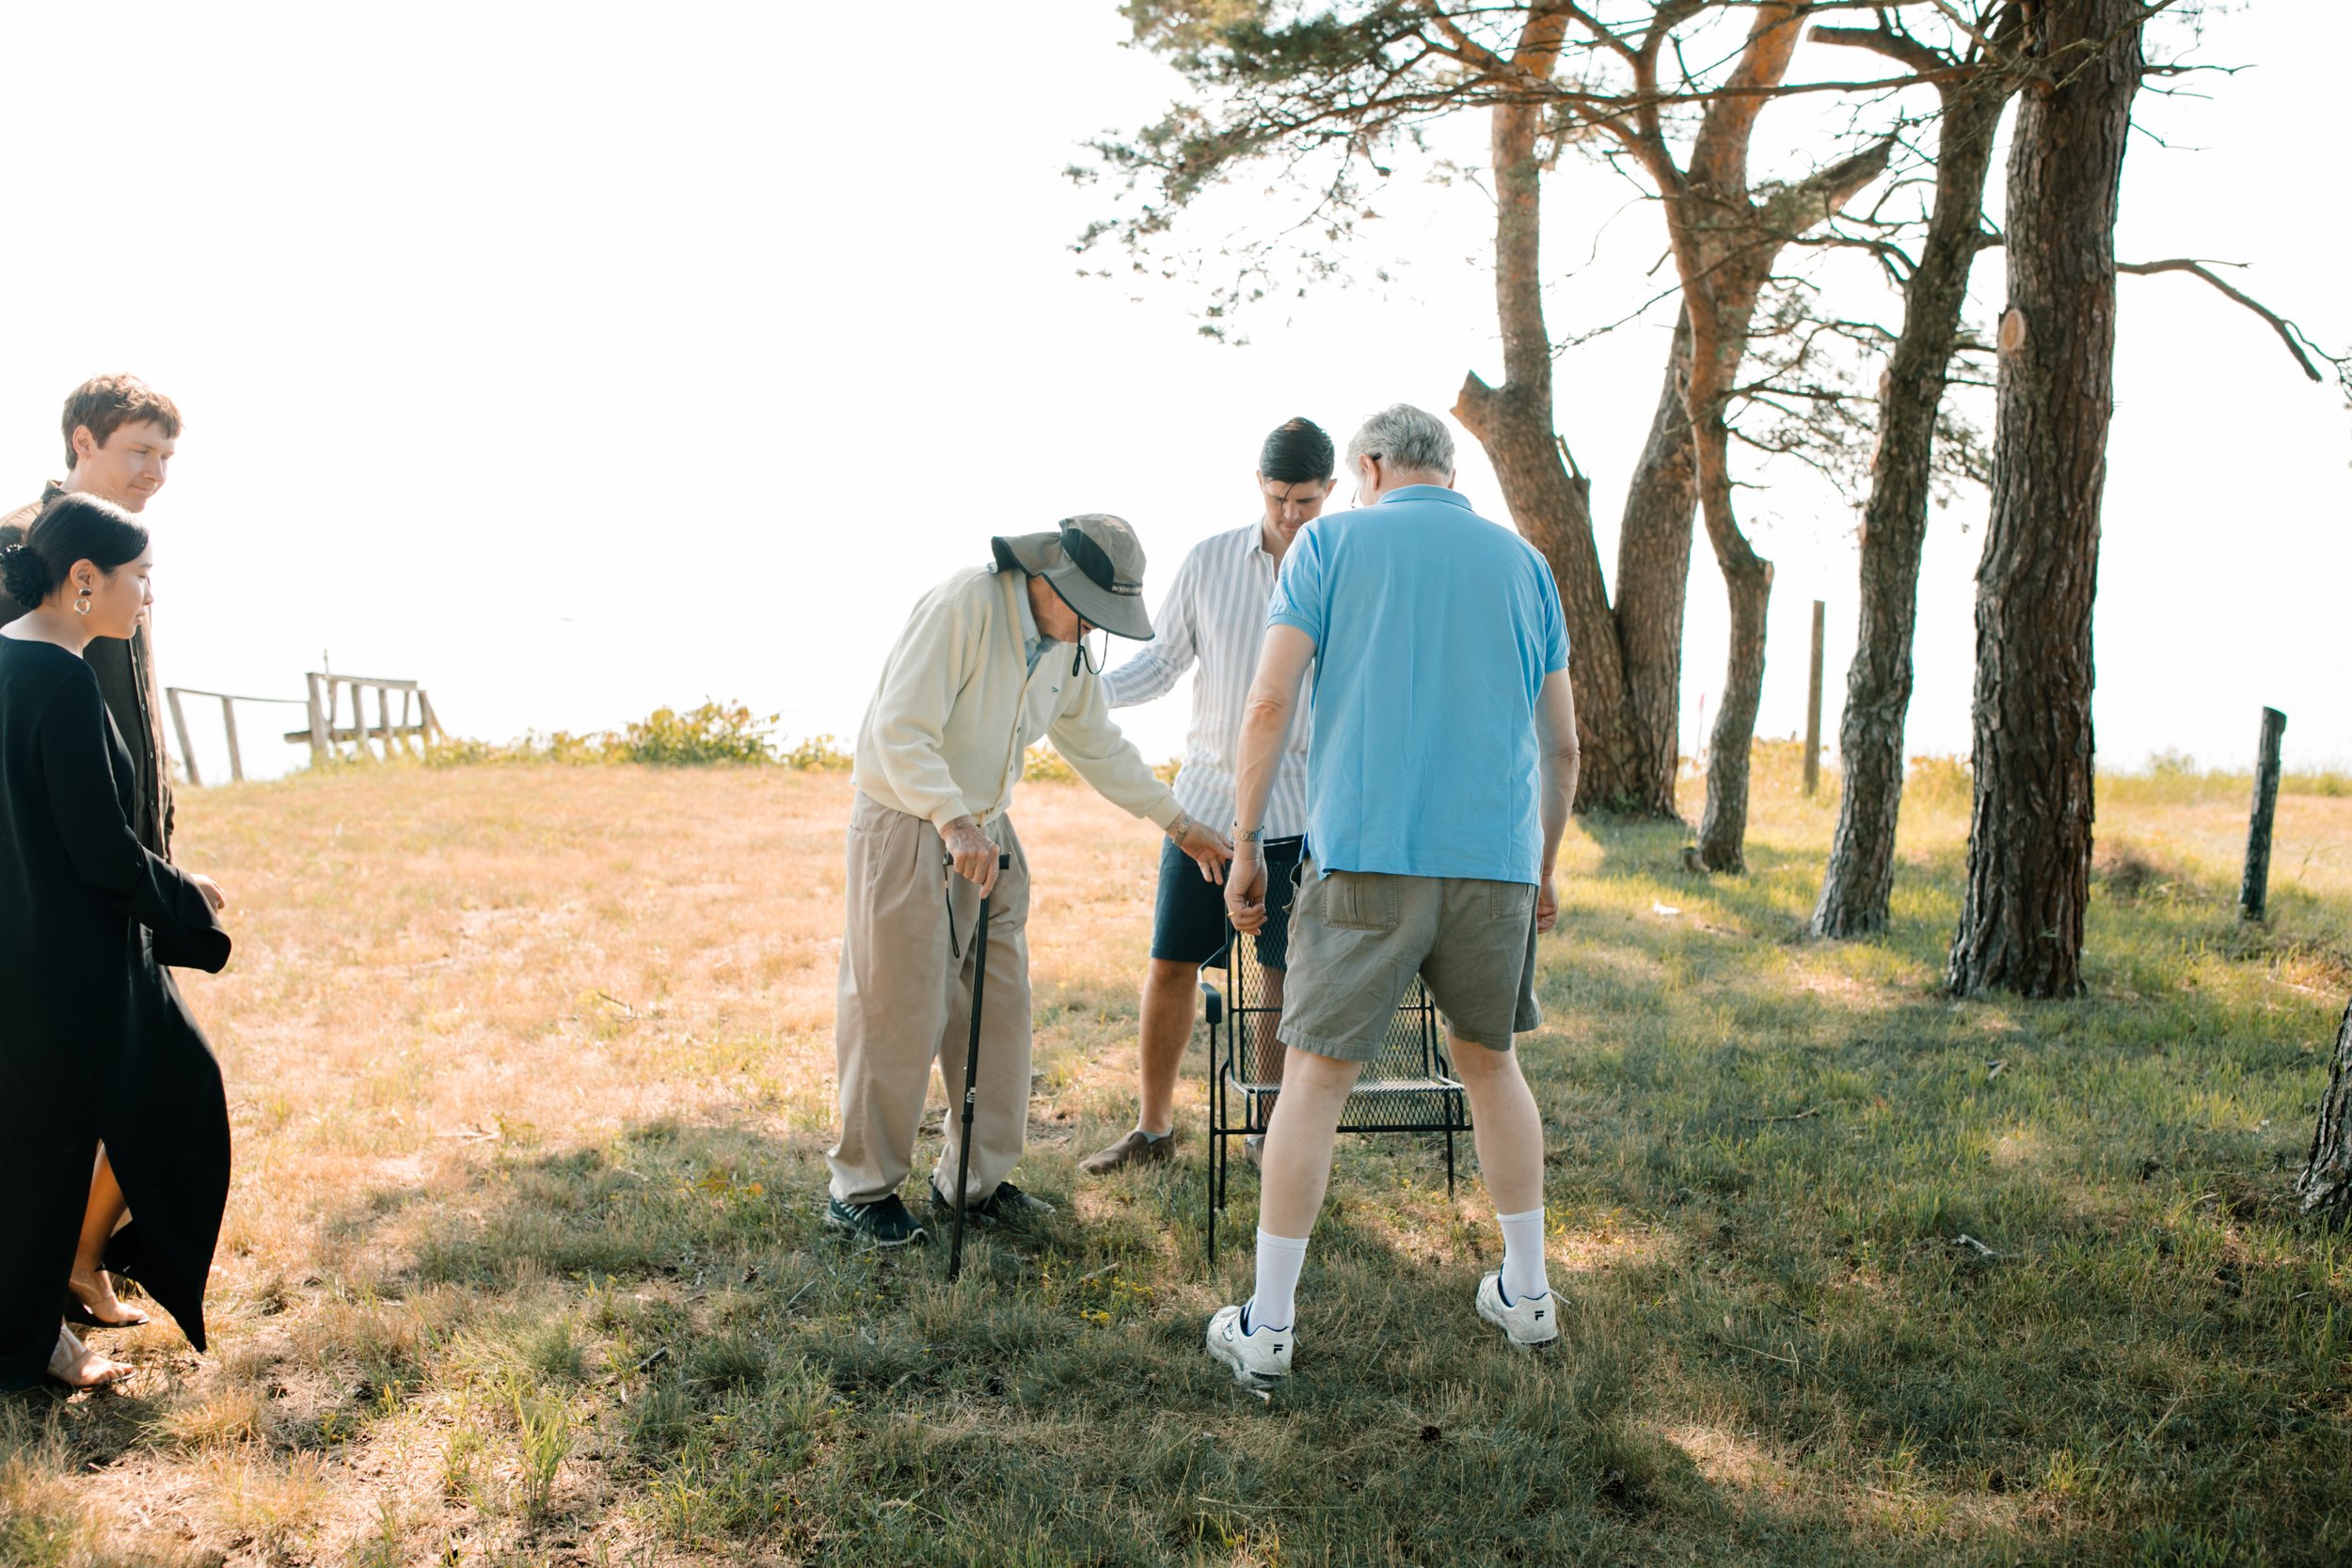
x=1094 y=561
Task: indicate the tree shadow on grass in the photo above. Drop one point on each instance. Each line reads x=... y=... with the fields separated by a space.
x=738 y=1382
x=1780 y=1353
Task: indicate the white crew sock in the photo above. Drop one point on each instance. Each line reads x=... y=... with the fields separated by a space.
x=1522 y=1256
x=1279 y=1258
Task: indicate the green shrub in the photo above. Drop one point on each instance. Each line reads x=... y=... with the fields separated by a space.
x=715 y=732
x=670 y=737
x=1044 y=765
x=460 y=753
x=819 y=753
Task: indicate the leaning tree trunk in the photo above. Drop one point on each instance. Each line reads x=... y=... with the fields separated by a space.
x=1861 y=876
x=1551 y=506
x=2021 y=924
x=1724 y=240
x=1653 y=585
x=2326 y=1180
x=1748 y=582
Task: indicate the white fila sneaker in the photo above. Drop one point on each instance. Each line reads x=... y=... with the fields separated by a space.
x=1260 y=1358
x=1530 y=1321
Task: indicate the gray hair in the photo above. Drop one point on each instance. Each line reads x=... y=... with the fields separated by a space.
x=1403 y=436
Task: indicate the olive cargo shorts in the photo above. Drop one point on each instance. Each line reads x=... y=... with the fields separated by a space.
x=1357 y=937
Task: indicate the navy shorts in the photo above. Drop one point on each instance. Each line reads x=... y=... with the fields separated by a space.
x=1189 y=923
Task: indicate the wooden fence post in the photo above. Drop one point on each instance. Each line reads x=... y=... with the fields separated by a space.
x=228 y=722
x=2253 y=891
x=1813 y=709
x=179 y=722
x=318 y=723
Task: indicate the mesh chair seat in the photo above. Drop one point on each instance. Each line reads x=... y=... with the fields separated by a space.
x=1382 y=1105
x=1409 y=1086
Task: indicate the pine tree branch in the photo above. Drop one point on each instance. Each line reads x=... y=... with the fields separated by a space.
x=2289 y=334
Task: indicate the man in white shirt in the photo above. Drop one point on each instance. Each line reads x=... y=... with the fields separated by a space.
x=1214 y=616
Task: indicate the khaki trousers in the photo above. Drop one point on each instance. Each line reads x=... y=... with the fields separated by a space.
x=905 y=1000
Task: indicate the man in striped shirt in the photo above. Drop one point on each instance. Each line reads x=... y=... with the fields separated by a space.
x=1214 y=616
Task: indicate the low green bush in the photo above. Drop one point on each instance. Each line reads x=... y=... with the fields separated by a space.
x=669 y=737
x=715 y=732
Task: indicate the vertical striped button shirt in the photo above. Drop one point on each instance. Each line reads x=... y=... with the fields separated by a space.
x=1214 y=615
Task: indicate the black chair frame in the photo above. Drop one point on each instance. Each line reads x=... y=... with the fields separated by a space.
x=1409 y=1087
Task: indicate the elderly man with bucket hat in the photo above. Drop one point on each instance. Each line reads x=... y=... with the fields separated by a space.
x=991 y=661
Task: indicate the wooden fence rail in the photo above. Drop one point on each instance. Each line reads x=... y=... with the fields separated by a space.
x=416 y=720
x=326 y=730
x=229 y=700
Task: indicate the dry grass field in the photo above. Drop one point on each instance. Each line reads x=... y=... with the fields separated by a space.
x=531 y=1075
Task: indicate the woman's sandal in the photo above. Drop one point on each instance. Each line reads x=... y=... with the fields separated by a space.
x=79 y=1361
x=78 y=1310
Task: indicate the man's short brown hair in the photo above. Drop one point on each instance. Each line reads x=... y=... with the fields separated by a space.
x=108 y=402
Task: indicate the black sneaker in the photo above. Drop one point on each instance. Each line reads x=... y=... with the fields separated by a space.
x=883 y=1222
x=1006 y=1205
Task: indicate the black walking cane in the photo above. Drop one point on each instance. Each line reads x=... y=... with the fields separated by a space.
x=971 y=1070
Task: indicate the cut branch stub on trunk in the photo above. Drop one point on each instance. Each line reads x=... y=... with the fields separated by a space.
x=2029 y=881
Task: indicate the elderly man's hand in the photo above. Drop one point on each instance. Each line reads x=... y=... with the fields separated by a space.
x=1245 y=890
x=1208 y=847
x=974 y=851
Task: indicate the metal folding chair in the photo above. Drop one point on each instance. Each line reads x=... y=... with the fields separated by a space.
x=1409 y=1087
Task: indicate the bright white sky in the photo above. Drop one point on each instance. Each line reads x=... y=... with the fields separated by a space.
x=574 y=360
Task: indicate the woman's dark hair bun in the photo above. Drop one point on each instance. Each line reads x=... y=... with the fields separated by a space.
x=24 y=574
x=71 y=528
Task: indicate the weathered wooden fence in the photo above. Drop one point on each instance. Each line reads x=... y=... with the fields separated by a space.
x=328 y=732
x=228 y=702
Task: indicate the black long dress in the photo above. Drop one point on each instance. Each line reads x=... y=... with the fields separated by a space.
x=95 y=1041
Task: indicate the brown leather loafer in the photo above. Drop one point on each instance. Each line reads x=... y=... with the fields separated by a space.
x=1138 y=1148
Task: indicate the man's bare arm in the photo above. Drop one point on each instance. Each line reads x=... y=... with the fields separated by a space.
x=1265 y=725
x=1555 y=727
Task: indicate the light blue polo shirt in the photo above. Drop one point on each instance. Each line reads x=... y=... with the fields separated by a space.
x=1434 y=630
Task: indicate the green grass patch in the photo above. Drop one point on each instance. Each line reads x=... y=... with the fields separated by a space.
x=1850 y=1273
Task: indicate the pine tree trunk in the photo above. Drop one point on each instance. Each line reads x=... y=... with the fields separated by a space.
x=1723 y=831
x=1653 y=586
x=1551 y=506
x=2021 y=926
x=1725 y=242
x=2326 y=1180
x=1861 y=874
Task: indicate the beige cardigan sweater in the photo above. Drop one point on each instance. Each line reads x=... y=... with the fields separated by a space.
x=958 y=709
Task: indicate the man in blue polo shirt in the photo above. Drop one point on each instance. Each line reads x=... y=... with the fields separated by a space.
x=1444 y=763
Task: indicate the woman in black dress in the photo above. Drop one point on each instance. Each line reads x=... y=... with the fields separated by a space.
x=95 y=1041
